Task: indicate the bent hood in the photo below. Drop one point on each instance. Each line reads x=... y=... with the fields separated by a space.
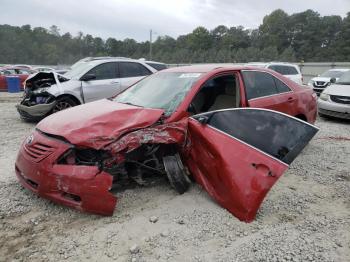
x=99 y=123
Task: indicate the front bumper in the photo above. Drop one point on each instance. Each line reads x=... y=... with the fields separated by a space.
x=333 y=109
x=35 y=112
x=319 y=90
x=81 y=187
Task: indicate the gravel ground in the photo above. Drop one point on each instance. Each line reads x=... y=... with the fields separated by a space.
x=305 y=217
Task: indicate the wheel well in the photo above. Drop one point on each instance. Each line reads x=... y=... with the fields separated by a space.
x=301 y=117
x=76 y=100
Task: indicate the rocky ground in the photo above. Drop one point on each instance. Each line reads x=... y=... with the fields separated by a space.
x=305 y=217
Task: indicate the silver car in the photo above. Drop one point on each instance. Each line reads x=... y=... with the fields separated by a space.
x=334 y=101
x=320 y=82
x=49 y=92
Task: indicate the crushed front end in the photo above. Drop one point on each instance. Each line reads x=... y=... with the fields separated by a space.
x=37 y=101
x=84 y=187
x=83 y=177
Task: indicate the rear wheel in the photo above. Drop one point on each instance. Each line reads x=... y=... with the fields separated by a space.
x=176 y=173
x=63 y=103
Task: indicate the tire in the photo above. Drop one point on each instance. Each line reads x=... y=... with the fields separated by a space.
x=62 y=103
x=176 y=173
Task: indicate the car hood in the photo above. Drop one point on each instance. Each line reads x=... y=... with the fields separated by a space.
x=338 y=90
x=321 y=79
x=99 y=123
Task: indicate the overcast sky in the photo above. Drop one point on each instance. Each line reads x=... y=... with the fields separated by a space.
x=134 y=18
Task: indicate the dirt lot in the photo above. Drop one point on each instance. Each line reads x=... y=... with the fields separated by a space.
x=306 y=216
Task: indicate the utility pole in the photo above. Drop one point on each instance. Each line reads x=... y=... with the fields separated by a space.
x=150 y=44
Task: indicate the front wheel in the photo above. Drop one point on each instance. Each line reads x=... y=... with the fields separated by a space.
x=63 y=103
x=176 y=173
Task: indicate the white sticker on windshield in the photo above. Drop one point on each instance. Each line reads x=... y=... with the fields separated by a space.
x=190 y=75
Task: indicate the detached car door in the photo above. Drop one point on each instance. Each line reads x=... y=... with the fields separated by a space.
x=237 y=155
x=106 y=83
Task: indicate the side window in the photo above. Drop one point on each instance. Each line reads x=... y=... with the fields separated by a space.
x=258 y=84
x=104 y=71
x=217 y=93
x=130 y=69
x=281 y=87
x=292 y=71
x=278 y=69
x=158 y=67
x=280 y=136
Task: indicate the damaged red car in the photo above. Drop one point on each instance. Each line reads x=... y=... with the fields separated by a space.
x=198 y=122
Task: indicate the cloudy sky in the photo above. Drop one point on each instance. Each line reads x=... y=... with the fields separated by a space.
x=134 y=18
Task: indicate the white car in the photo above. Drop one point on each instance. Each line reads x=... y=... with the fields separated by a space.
x=291 y=71
x=87 y=81
x=320 y=82
x=334 y=101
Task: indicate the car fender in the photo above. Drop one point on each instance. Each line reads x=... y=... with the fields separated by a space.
x=71 y=87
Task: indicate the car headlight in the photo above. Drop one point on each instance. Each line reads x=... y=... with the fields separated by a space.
x=311 y=83
x=324 y=97
x=40 y=90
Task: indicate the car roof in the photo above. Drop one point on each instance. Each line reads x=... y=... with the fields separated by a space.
x=101 y=61
x=271 y=63
x=205 y=68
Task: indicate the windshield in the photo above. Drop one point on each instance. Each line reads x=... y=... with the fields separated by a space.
x=332 y=73
x=164 y=90
x=344 y=79
x=79 y=69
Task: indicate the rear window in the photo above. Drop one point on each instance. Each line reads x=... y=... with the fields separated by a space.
x=259 y=84
x=157 y=67
x=130 y=69
x=284 y=70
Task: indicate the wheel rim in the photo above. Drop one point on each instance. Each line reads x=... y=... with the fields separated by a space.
x=61 y=105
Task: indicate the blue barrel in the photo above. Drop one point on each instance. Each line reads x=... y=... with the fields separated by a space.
x=13 y=84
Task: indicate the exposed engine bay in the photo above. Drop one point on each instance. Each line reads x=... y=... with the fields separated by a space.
x=36 y=94
x=144 y=166
x=36 y=87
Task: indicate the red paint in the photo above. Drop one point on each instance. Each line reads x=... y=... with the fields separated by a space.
x=99 y=123
x=55 y=182
x=234 y=174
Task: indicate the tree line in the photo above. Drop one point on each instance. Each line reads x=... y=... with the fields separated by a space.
x=305 y=36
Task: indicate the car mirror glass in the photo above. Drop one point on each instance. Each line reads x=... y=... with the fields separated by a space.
x=88 y=77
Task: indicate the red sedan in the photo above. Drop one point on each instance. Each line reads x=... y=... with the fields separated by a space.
x=199 y=121
x=22 y=73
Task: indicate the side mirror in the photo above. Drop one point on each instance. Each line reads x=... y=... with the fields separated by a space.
x=202 y=119
x=333 y=80
x=88 y=77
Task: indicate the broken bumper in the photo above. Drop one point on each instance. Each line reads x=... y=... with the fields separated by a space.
x=81 y=187
x=35 y=112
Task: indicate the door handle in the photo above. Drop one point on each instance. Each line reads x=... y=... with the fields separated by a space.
x=290 y=99
x=114 y=82
x=263 y=169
